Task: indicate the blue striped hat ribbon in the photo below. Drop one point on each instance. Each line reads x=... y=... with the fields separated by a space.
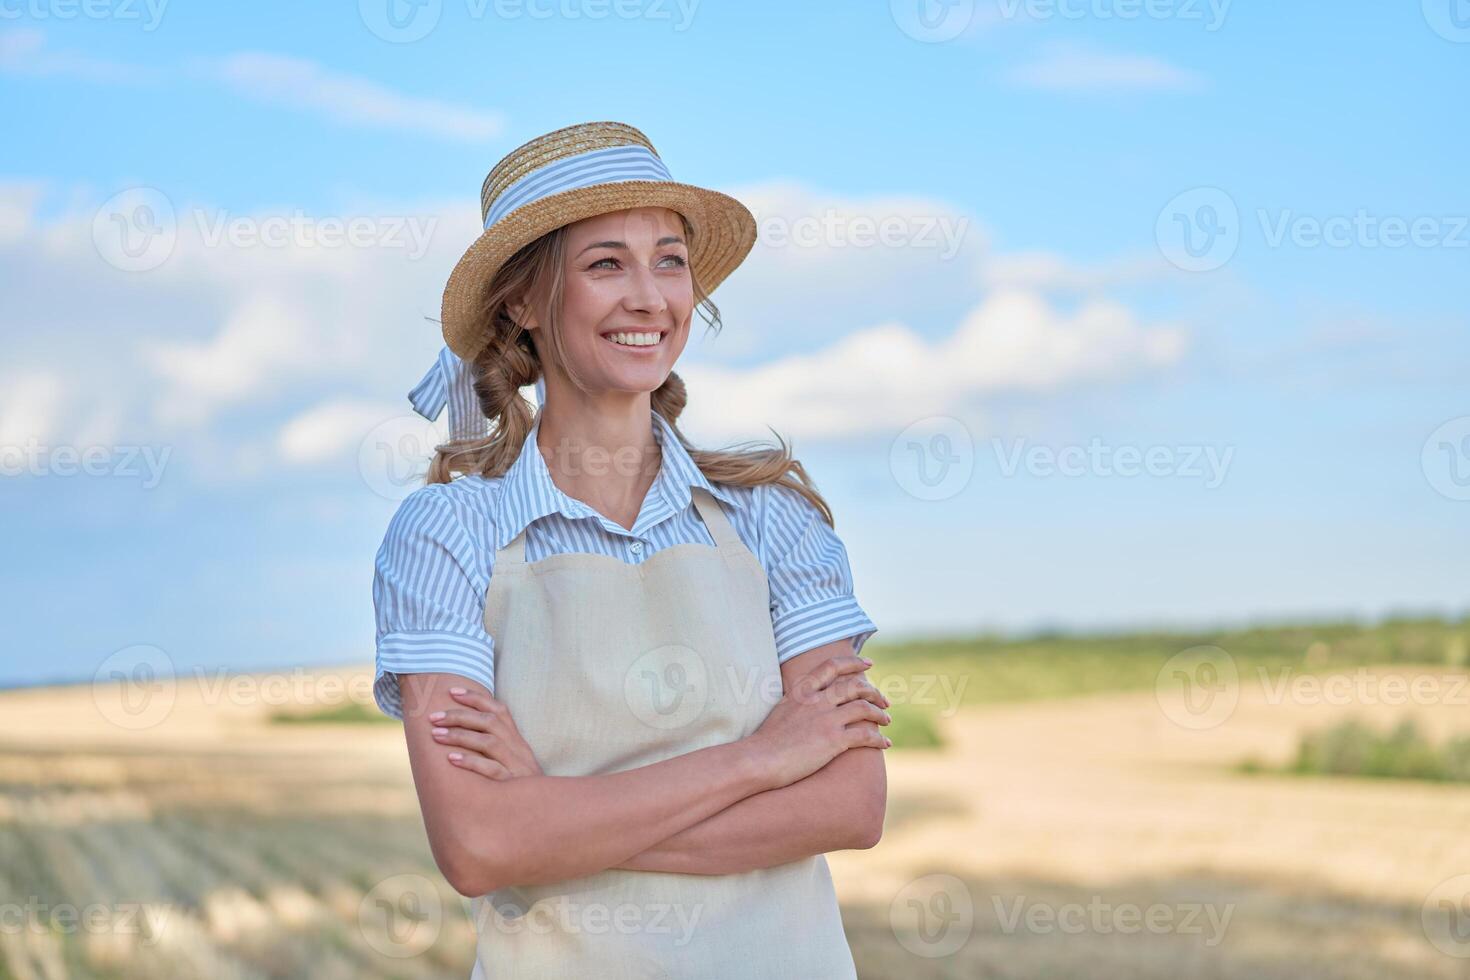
x=609 y=165
x=449 y=382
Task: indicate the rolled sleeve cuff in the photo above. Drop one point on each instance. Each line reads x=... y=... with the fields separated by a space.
x=428 y=652
x=807 y=627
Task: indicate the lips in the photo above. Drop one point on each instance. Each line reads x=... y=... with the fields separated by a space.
x=635 y=339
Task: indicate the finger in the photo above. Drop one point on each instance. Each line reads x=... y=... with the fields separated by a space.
x=479 y=721
x=856 y=686
x=487 y=745
x=479 y=764
x=860 y=710
x=866 y=734
x=828 y=671
x=478 y=700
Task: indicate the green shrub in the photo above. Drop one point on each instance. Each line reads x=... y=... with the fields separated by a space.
x=1352 y=748
x=351 y=713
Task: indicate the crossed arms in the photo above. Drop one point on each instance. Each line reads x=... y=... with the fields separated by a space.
x=716 y=810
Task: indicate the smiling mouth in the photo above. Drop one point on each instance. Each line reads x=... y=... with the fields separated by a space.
x=636 y=339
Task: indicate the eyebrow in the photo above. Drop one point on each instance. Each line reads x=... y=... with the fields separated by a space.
x=666 y=240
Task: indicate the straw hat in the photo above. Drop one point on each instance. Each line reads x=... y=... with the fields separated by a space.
x=575 y=173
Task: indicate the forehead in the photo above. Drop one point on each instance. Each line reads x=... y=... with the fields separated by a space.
x=631 y=225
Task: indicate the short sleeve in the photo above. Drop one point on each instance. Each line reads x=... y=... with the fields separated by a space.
x=429 y=599
x=812 y=601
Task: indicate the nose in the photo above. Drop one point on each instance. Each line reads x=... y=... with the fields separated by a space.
x=643 y=294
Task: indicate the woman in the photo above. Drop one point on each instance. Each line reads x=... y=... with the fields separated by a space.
x=629 y=670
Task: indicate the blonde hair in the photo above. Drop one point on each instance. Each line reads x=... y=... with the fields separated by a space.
x=507 y=361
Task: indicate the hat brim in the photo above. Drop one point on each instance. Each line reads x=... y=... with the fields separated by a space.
x=724 y=233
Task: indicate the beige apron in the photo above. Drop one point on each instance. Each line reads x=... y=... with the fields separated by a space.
x=608 y=666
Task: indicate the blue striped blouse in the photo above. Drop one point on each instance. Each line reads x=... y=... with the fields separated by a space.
x=435 y=563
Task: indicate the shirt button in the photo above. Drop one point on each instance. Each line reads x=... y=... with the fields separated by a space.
x=636 y=547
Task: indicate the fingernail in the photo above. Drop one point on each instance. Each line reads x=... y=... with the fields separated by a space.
x=886 y=719
x=441 y=731
x=887 y=743
x=455 y=757
x=436 y=716
x=456 y=690
x=866 y=661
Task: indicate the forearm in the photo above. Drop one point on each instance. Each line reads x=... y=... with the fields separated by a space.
x=552 y=828
x=835 y=808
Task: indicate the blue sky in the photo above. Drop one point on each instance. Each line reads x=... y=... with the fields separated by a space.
x=1037 y=165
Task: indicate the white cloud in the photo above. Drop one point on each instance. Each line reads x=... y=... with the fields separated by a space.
x=23 y=52
x=17 y=208
x=330 y=429
x=302 y=84
x=1072 y=67
x=262 y=341
x=823 y=262
x=1013 y=341
x=30 y=407
x=296 y=83
x=220 y=342
x=1049 y=271
x=222 y=346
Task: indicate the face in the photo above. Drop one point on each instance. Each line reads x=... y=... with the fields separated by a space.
x=628 y=299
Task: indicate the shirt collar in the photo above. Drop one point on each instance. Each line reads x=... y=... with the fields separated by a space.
x=528 y=492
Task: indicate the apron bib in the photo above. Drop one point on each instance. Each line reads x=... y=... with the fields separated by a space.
x=607 y=666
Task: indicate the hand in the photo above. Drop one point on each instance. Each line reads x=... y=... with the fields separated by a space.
x=830 y=710
x=487 y=738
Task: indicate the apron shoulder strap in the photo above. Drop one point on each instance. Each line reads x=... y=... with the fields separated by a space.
x=514 y=552
x=715 y=521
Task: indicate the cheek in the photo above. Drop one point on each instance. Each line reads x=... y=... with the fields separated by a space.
x=679 y=294
x=586 y=306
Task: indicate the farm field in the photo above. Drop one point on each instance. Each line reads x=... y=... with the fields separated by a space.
x=1060 y=829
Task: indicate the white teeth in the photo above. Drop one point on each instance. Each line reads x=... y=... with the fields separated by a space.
x=633 y=339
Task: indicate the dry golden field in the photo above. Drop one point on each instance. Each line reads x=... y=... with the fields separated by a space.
x=1088 y=836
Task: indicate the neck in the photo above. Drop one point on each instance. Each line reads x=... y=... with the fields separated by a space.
x=602 y=452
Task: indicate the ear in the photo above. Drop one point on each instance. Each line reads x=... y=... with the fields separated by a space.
x=520 y=313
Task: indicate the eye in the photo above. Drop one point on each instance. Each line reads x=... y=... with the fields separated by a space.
x=679 y=261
